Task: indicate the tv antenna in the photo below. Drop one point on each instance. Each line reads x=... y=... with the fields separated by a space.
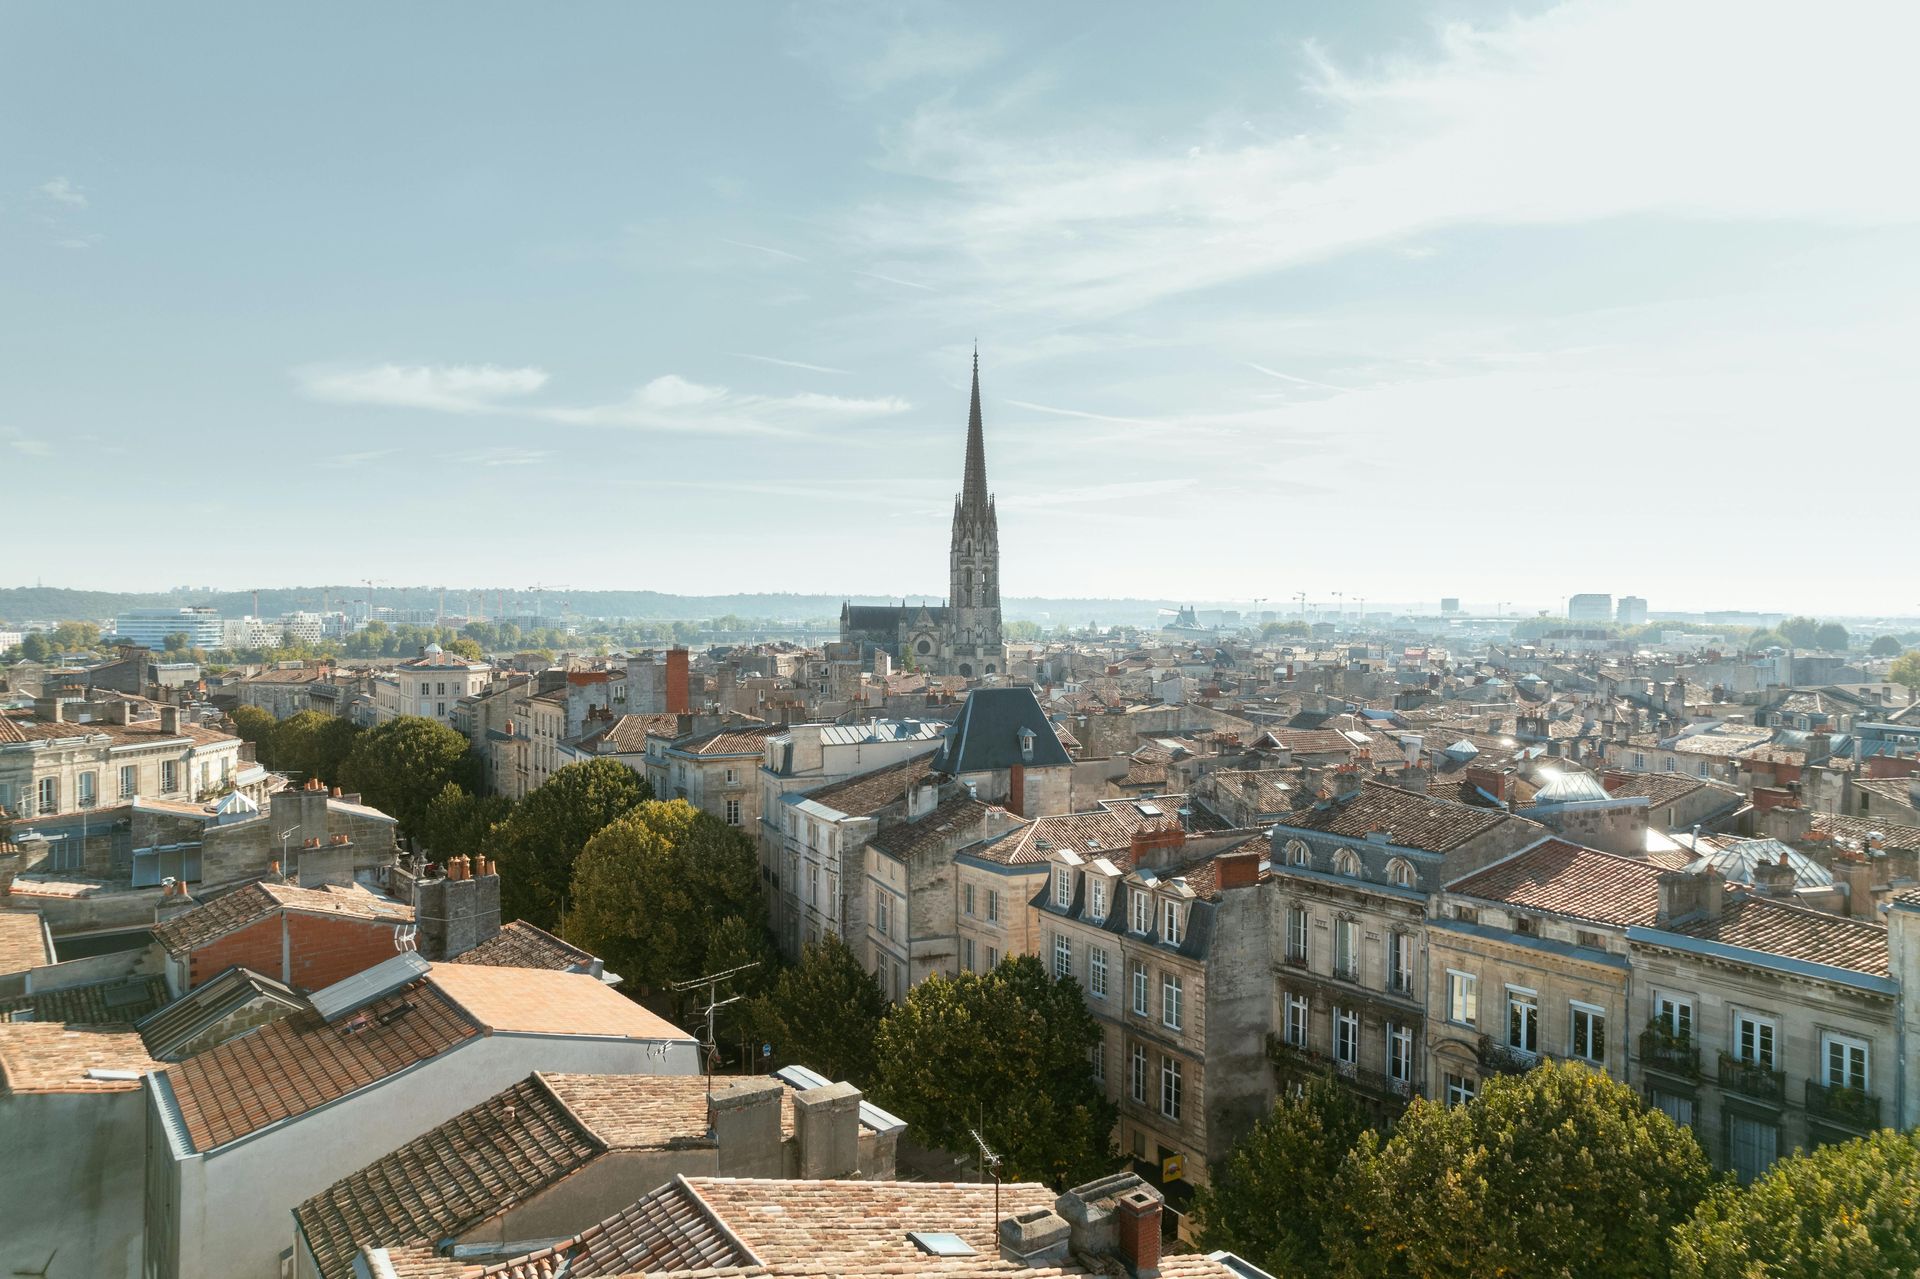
x=714 y=1004
x=988 y=1162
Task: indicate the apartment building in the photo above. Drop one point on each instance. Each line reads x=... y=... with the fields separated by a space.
x=717 y=772
x=429 y=686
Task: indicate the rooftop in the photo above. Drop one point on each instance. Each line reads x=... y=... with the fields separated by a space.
x=750 y=740
x=48 y=1057
x=523 y=945
x=1407 y=819
x=105 y=1003
x=534 y=1001
x=23 y=941
x=1794 y=932
x=1567 y=879
x=861 y=795
x=1000 y=728
x=260 y=900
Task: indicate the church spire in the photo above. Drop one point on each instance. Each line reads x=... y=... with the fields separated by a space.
x=973 y=489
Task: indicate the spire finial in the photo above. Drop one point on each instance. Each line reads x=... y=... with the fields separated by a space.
x=973 y=486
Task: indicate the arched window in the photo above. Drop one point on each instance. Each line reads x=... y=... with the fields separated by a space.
x=1297 y=852
x=1345 y=863
x=990 y=669
x=966 y=669
x=1400 y=872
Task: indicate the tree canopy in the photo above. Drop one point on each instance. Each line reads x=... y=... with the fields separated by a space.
x=314 y=744
x=1832 y=636
x=537 y=843
x=1799 y=631
x=1884 y=646
x=1906 y=670
x=399 y=766
x=1268 y=1200
x=1843 y=1209
x=1011 y=1052
x=256 y=726
x=652 y=889
x=457 y=822
x=823 y=1012
x=1539 y=1175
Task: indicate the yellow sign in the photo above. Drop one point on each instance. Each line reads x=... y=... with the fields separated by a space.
x=1173 y=1167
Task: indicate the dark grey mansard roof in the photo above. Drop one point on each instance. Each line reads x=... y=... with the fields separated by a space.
x=986 y=737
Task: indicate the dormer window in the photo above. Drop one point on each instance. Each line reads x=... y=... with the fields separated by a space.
x=1345 y=863
x=1400 y=873
x=1142 y=911
x=1097 y=898
x=1297 y=852
x=1170 y=923
x=1062 y=887
x=1026 y=744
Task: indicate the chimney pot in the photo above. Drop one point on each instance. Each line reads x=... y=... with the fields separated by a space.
x=1139 y=1228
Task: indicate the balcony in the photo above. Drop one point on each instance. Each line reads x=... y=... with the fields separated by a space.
x=1751 y=1079
x=1853 y=1108
x=1300 y=1058
x=1504 y=1060
x=1292 y=960
x=1661 y=1049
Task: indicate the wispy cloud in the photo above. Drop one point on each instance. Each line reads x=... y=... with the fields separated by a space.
x=1083 y=413
x=25 y=445
x=928 y=54
x=761 y=248
x=504 y=457
x=347 y=461
x=787 y=364
x=1298 y=381
x=447 y=388
x=62 y=191
x=894 y=279
x=78 y=241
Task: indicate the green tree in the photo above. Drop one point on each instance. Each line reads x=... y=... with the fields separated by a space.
x=823 y=1012
x=313 y=744
x=75 y=635
x=1884 y=646
x=1762 y=640
x=651 y=890
x=463 y=647
x=177 y=641
x=399 y=766
x=1906 y=670
x=256 y=726
x=1851 y=1208
x=1540 y=1175
x=1832 y=636
x=537 y=844
x=1020 y=632
x=1009 y=1051
x=458 y=822
x=34 y=647
x=1799 y=631
x=1267 y=1201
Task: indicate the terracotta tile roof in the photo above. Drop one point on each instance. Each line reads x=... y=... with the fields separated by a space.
x=1270 y=790
x=860 y=795
x=106 y=1003
x=1410 y=820
x=294 y=1065
x=1795 y=932
x=628 y=734
x=949 y=818
x=670 y=1230
x=66 y=886
x=1659 y=788
x=539 y=1002
x=23 y=941
x=523 y=945
x=739 y=740
x=1033 y=844
x=645 y=1112
x=1568 y=879
x=258 y=901
x=143 y=733
x=449 y=1179
x=48 y=1057
x=1855 y=829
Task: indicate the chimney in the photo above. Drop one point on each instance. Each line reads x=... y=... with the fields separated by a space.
x=1688 y=895
x=170 y=720
x=678 y=699
x=1237 y=869
x=1774 y=879
x=1154 y=845
x=1343 y=781
x=1035 y=1238
x=1138 y=1211
x=743 y=1118
x=826 y=1123
x=120 y=711
x=1819 y=747
x=1859 y=875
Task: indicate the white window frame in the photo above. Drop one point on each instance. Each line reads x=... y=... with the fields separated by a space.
x=1595 y=1018
x=1460 y=1089
x=1139 y=979
x=1400 y=962
x=1141 y=908
x=967 y=954
x=1137 y=1074
x=1299 y=1008
x=993 y=905
x=1400 y=873
x=46 y=796
x=1172 y=1087
x=1097 y=898
x=1399 y=1053
x=1170 y=918
x=733 y=812
x=1298 y=853
x=966 y=900
x=1097 y=971
x=1172 y=994
x=129 y=780
x=1346 y=948
x=1062 y=887
x=1298 y=929
x=1346 y=862
x=1062 y=957
x=1463 y=998
x=1848 y=1045
x=86 y=791
x=1675 y=1012
x=1742 y=1019
x=1525 y=1001
x=882 y=913
x=1346 y=1036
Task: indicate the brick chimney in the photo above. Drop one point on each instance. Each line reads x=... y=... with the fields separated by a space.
x=678 y=696
x=1774 y=879
x=1153 y=846
x=1138 y=1219
x=1237 y=869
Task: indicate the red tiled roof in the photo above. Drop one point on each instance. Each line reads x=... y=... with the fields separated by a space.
x=1409 y=819
x=257 y=901
x=861 y=795
x=739 y=740
x=523 y=945
x=1568 y=879
x=1795 y=932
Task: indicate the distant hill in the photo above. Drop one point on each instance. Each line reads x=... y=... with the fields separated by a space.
x=48 y=603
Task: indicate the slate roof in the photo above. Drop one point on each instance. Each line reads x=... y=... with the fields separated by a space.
x=1410 y=820
x=523 y=945
x=1563 y=878
x=257 y=901
x=23 y=941
x=860 y=795
x=1794 y=932
x=987 y=735
x=1659 y=788
x=105 y=1003
x=48 y=1057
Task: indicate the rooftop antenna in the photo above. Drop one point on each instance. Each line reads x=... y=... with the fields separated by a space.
x=988 y=1161
x=714 y=1004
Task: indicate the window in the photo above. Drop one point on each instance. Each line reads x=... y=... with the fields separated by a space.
x=1062 y=887
x=1170 y=1001
x=1400 y=873
x=966 y=899
x=1097 y=971
x=1843 y=1061
x=993 y=957
x=1170 y=923
x=1097 y=1057
x=49 y=795
x=1466 y=914
x=1140 y=989
x=440 y=709
x=1674 y=1106
x=1589 y=1032
x=1459 y=1089
x=993 y=905
x=1346 y=944
x=1062 y=958
x=733 y=775
x=1297 y=852
x=87 y=796
x=1142 y=911
x=1590 y=940
x=966 y=953
x=1297 y=936
x=129 y=781
x=1753 y=1039
x=1296 y=1023
x=1097 y=898
x=813 y=889
x=1400 y=1053
x=883 y=914
x=1523 y=1020
x=733 y=812
x=1346 y=1036
x=1400 y=963
x=1701 y=768
x=1345 y=863
x=1752 y=1146
x=1138 y=1074
x=1639 y=759
x=1675 y=1012
x=169 y=776
x=1170 y=1088
x=1463 y=998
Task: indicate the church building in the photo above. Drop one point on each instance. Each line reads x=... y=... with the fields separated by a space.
x=961 y=637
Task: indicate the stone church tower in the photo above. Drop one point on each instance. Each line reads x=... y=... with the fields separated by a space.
x=973 y=598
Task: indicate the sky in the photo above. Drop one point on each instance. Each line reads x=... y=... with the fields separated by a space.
x=1388 y=299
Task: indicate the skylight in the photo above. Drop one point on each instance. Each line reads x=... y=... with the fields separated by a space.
x=940 y=1243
